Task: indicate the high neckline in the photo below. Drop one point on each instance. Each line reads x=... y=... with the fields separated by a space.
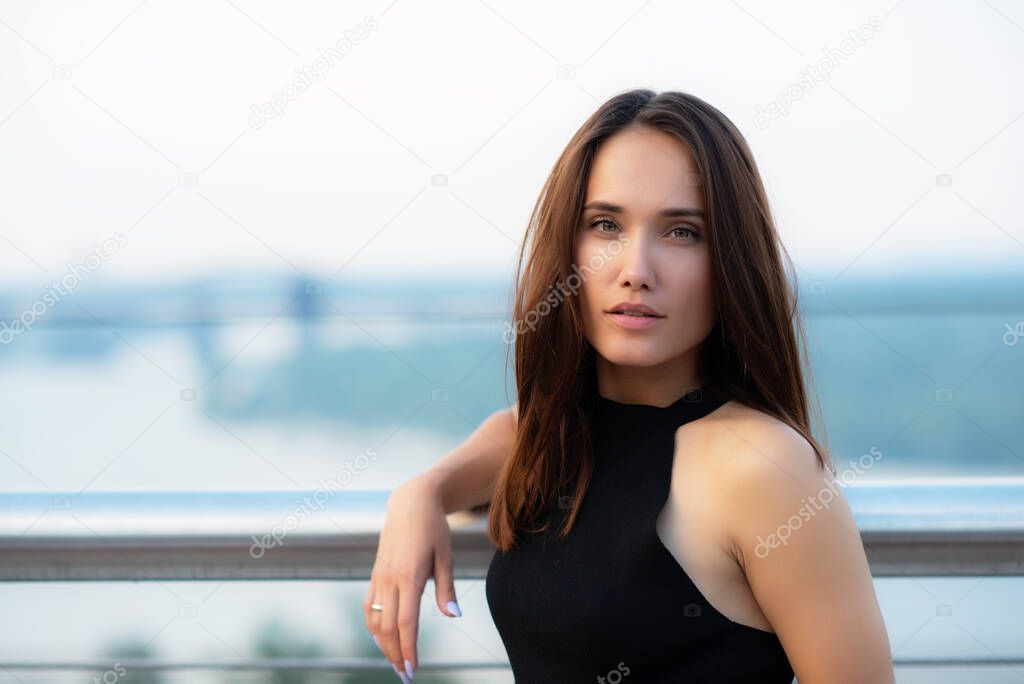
x=695 y=403
x=693 y=394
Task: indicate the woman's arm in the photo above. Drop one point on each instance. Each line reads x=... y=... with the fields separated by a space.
x=465 y=477
x=415 y=541
x=794 y=534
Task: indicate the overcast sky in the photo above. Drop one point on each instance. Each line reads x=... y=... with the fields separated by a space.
x=138 y=119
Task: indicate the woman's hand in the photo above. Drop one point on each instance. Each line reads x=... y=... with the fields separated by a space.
x=415 y=544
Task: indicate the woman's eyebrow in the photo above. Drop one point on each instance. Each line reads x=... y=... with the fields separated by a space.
x=670 y=212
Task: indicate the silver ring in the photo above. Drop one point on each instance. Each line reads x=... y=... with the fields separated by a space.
x=377 y=607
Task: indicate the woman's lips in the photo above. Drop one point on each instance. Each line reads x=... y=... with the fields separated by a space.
x=634 y=322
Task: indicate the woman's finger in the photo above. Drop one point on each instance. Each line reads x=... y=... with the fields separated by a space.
x=444 y=584
x=370 y=616
x=390 y=639
x=408 y=623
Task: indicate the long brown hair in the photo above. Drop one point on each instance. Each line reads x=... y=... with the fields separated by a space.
x=754 y=354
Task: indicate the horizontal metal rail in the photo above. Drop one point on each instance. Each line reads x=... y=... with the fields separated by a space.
x=909 y=527
x=320 y=664
x=935 y=527
x=352 y=665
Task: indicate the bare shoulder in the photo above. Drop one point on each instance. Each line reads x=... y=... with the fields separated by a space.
x=786 y=524
x=749 y=456
x=744 y=442
x=778 y=528
x=744 y=454
x=719 y=471
x=501 y=426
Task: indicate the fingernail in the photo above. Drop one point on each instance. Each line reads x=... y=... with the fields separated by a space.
x=401 y=675
x=454 y=607
x=408 y=669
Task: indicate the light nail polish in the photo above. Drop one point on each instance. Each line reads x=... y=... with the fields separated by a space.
x=453 y=606
x=408 y=669
x=401 y=675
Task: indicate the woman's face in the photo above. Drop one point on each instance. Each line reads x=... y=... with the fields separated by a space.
x=642 y=239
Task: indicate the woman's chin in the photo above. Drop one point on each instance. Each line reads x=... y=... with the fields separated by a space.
x=634 y=353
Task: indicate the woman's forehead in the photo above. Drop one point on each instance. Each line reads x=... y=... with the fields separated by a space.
x=644 y=170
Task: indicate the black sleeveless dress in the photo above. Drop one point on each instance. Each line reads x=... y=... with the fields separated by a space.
x=610 y=603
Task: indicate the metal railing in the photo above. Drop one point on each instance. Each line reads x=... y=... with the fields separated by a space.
x=912 y=527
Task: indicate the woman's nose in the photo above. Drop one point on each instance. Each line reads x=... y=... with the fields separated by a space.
x=637 y=269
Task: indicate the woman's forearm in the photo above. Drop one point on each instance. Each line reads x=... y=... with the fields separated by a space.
x=464 y=478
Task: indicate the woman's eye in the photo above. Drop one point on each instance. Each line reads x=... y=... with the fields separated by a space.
x=684 y=232
x=692 y=233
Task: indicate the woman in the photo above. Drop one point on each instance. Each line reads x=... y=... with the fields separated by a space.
x=659 y=507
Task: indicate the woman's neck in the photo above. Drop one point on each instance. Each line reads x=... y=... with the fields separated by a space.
x=659 y=385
